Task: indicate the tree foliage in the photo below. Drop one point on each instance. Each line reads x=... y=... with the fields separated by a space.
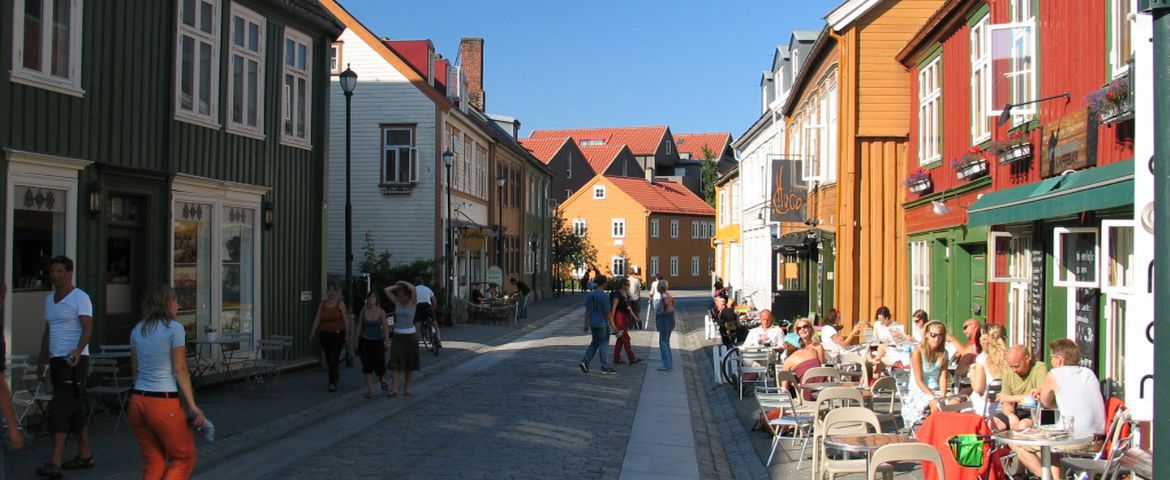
x=569 y=250
x=708 y=175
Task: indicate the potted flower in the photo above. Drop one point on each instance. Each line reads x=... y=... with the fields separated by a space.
x=971 y=164
x=1112 y=102
x=1017 y=147
x=918 y=182
x=209 y=333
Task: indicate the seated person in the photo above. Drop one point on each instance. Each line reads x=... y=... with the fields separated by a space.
x=724 y=315
x=1074 y=391
x=477 y=295
x=990 y=366
x=834 y=338
x=1020 y=387
x=798 y=359
x=887 y=354
x=765 y=335
x=808 y=338
x=928 y=379
x=964 y=354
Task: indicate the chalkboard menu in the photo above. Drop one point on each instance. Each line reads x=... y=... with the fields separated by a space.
x=1085 y=317
x=1036 y=333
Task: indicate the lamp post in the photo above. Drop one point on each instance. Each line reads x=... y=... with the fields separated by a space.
x=448 y=158
x=500 y=181
x=348 y=80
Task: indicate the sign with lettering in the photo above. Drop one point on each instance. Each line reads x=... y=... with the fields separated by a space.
x=1085 y=321
x=789 y=193
x=1036 y=290
x=1069 y=143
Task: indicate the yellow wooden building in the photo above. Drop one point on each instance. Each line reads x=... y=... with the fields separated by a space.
x=727 y=244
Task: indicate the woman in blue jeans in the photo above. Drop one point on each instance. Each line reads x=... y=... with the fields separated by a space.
x=664 y=322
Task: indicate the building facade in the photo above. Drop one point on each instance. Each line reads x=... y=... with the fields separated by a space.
x=727 y=243
x=570 y=169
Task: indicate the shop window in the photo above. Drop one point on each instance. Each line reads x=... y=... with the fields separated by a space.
x=238 y=270
x=1011 y=257
x=1076 y=252
x=1115 y=342
x=192 y=266
x=38 y=234
x=1117 y=248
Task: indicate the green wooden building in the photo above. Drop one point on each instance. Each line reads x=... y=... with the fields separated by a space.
x=177 y=141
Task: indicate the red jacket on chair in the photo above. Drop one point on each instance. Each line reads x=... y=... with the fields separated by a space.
x=939 y=427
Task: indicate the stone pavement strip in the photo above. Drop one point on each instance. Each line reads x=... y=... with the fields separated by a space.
x=662 y=441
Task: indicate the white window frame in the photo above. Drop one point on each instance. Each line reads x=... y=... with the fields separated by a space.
x=1119 y=61
x=390 y=176
x=71 y=83
x=1019 y=257
x=674 y=229
x=654 y=227
x=811 y=131
x=654 y=265
x=920 y=275
x=579 y=227
x=694 y=229
x=1106 y=258
x=335 y=57
x=210 y=119
x=599 y=192
x=694 y=265
x=930 y=112
x=234 y=50
x=1022 y=31
x=618 y=228
x=829 y=143
x=674 y=267
x=287 y=107
x=617 y=265
x=981 y=72
x=1061 y=278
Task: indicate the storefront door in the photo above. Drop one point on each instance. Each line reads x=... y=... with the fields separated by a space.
x=126 y=264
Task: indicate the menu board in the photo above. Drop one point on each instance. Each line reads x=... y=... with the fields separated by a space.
x=1085 y=315
x=1036 y=333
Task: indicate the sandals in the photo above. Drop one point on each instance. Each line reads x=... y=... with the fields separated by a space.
x=50 y=470
x=78 y=463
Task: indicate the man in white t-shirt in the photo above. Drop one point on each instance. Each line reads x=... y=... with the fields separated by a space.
x=634 y=295
x=425 y=309
x=65 y=348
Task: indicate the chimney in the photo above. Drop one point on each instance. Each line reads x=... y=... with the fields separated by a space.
x=471 y=60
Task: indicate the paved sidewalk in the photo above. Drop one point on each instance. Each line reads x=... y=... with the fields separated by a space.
x=662 y=442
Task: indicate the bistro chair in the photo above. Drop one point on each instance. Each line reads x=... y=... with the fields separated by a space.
x=884 y=389
x=752 y=361
x=841 y=421
x=784 y=418
x=31 y=396
x=1111 y=450
x=108 y=388
x=905 y=452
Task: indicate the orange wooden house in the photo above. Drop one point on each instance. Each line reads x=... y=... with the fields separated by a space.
x=646 y=228
x=848 y=123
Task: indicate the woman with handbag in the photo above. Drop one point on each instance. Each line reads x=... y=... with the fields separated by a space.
x=623 y=316
x=404 y=356
x=371 y=339
x=158 y=362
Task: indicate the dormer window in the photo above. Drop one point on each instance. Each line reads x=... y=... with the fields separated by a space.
x=592 y=143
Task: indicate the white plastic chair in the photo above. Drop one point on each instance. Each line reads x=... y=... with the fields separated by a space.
x=885 y=389
x=753 y=361
x=841 y=421
x=905 y=452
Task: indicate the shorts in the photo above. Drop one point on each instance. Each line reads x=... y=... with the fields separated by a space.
x=69 y=408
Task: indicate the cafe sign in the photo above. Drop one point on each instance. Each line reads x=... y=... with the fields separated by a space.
x=789 y=193
x=1069 y=143
x=472 y=239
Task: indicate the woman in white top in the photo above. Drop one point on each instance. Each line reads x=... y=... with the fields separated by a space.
x=989 y=366
x=158 y=361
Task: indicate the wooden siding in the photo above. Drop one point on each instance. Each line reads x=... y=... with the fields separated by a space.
x=684 y=247
x=882 y=88
x=568 y=159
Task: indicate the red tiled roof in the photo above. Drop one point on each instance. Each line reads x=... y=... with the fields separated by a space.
x=693 y=143
x=544 y=148
x=641 y=140
x=600 y=157
x=662 y=197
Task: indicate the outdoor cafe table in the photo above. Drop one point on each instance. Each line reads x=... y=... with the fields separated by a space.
x=866 y=443
x=207 y=360
x=1045 y=440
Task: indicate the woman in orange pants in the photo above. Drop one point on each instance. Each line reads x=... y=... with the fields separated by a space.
x=158 y=358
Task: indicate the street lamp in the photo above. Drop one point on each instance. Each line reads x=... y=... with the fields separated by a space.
x=500 y=181
x=448 y=158
x=348 y=80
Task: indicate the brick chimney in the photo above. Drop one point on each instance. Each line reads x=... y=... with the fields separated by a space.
x=471 y=60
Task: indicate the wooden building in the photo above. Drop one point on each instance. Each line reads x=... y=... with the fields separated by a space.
x=728 y=243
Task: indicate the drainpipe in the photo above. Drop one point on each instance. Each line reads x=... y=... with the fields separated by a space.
x=1161 y=11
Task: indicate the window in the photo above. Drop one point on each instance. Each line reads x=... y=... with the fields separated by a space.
x=980 y=81
x=579 y=227
x=599 y=192
x=1117 y=248
x=929 y=112
x=920 y=275
x=1076 y=256
x=298 y=71
x=618 y=266
x=39 y=233
x=811 y=128
x=592 y=143
x=653 y=266
x=1120 y=46
x=46 y=51
x=399 y=156
x=197 y=60
x=694 y=229
x=674 y=229
x=1013 y=47
x=694 y=266
x=654 y=228
x=335 y=61
x=724 y=208
x=673 y=266
x=619 y=228
x=246 y=72
x=1011 y=257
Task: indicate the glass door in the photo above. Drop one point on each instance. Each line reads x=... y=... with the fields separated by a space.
x=192 y=266
x=237 y=262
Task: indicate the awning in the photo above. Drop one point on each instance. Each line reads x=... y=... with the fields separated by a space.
x=793 y=243
x=1096 y=188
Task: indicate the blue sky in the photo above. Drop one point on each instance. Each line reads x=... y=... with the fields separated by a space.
x=691 y=64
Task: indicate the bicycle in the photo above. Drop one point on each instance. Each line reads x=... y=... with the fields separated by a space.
x=429 y=336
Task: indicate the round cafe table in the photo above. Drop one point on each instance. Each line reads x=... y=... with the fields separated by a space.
x=1045 y=440
x=866 y=443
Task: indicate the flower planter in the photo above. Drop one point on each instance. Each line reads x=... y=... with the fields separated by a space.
x=920 y=186
x=973 y=169
x=1015 y=153
x=1116 y=113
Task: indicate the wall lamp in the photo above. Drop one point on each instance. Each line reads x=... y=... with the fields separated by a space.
x=95 y=198
x=267 y=215
x=1007 y=108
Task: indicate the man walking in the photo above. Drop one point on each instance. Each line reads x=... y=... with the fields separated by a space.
x=634 y=295
x=65 y=347
x=599 y=322
x=525 y=291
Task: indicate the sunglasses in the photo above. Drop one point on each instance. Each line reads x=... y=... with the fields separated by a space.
x=936 y=335
x=804 y=327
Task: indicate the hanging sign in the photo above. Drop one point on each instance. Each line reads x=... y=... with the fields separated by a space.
x=789 y=193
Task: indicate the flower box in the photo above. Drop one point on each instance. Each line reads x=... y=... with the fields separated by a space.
x=1113 y=102
x=1015 y=153
x=971 y=169
x=1117 y=113
x=920 y=185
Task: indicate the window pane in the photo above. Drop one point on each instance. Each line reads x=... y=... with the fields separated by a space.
x=288 y=105
x=1078 y=257
x=192 y=265
x=289 y=52
x=187 y=75
x=38 y=228
x=301 y=54
x=403 y=165
x=238 y=31
x=1120 y=257
x=205 y=78
x=32 y=34
x=398 y=137
x=237 y=282
x=300 y=108
x=253 y=37
x=253 y=89
x=206 y=17
x=188 y=9
x=62 y=13
x=237 y=89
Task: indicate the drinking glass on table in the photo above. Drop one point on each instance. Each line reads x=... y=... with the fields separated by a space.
x=1068 y=422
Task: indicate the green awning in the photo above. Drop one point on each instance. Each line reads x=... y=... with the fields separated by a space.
x=1095 y=188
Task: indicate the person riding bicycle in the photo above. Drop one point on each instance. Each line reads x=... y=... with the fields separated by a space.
x=425 y=310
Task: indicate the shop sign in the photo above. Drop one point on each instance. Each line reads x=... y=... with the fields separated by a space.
x=789 y=193
x=472 y=239
x=1069 y=143
x=495 y=275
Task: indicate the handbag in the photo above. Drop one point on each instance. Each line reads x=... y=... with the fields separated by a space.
x=967 y=449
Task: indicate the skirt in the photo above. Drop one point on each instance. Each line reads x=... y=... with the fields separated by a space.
x=404 y=352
